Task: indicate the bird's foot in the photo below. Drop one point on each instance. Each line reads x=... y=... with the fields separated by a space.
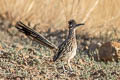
x=71 y=70
x=65 y=70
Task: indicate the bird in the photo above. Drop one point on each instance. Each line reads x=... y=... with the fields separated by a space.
x=34 y=35
x=67 y=49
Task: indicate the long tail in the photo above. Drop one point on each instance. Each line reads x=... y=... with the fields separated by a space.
x=36 y=36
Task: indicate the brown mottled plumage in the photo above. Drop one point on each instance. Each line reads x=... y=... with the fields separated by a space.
x=67 y=50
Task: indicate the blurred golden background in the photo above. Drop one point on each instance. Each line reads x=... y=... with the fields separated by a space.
x=100 y=16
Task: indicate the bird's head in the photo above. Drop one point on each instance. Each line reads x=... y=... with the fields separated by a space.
x=72 y=24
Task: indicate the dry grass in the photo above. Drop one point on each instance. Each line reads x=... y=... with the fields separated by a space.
x=99 y=18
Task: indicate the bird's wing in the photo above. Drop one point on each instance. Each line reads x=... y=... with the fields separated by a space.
x=62 y=49
x=59 y=52
x=36 y=36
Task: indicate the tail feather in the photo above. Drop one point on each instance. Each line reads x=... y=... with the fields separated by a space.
x=55 y=57
x=30 y=32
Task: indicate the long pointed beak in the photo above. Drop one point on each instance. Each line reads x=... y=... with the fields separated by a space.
x=79 y=24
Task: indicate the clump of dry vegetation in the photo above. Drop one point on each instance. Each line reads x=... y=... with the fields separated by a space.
x=20 y=58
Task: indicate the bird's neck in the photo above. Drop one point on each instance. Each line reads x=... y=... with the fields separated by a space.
x=71 y=33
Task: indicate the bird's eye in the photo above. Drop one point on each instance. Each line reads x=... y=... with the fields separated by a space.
x=71 y=25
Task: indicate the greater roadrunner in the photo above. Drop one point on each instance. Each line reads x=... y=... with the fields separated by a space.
x=67 y=50
x=34 y=35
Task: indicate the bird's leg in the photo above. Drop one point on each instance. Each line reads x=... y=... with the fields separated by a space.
x=70 y=65
x=63 y=67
